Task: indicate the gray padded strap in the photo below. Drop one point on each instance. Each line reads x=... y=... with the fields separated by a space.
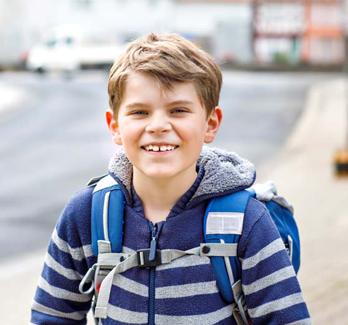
x=218 y=249
x=105 y=288
x=110 y=260
x=167 y=256
x=104 y=246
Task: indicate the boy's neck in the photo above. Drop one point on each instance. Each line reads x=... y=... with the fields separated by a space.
x=158 y=196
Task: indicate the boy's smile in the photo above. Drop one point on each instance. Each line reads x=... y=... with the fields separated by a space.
x=159 y=149
x=162 y=132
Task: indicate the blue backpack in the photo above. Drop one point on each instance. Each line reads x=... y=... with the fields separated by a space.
x=223 y=226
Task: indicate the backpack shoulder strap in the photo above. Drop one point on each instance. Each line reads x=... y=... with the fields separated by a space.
x=107 y=204
x=223 y=223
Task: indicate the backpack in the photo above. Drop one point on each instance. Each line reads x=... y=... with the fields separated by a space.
x=223 y=226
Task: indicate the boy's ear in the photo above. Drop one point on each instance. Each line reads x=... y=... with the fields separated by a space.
x=213 y=124
x=113 y=127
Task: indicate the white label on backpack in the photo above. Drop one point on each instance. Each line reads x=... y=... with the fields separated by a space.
x=225 y=223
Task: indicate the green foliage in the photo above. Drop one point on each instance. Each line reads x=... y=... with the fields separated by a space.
x=281 y=58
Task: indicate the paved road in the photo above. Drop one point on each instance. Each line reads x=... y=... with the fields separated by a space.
x=55 y=139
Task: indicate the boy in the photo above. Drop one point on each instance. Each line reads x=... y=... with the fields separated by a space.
x=163 y=94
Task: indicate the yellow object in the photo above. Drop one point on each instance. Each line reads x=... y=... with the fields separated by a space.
x=341 y=162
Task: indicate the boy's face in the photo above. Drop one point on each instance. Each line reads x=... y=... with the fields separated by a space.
x=162 y=132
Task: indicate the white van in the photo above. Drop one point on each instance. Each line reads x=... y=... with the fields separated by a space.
x=69 y=48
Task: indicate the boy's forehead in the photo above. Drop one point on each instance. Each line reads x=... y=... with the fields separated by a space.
x=140 y=85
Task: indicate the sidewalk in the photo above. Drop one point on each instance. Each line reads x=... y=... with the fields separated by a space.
x=9 y=99
x=303 y=174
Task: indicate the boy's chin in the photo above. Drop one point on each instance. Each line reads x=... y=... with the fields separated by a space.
x=158 y=174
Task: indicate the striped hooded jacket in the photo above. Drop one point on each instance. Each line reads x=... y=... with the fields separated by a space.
x=185 y=291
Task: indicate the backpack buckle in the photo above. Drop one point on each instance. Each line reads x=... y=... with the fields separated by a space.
x=144 y=260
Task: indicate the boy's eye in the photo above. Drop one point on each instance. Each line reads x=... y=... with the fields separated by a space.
x=139 y=113
x=179 y=110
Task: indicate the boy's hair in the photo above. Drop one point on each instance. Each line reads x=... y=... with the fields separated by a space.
x=167 y=58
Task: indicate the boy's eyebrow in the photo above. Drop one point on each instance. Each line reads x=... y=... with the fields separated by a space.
x=176 y=102
x=181 y=102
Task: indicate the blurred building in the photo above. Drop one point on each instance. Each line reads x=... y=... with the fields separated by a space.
x=208 y=23
x=23 y=22
x=224 y=27
x=277 y=31
x=269 y=31
x=241 y=31
x=324 y=37
x=301 y=31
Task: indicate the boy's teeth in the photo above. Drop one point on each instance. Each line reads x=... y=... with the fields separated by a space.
x=159 y=148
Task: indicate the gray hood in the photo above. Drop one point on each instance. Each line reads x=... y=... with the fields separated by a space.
x=223 y=171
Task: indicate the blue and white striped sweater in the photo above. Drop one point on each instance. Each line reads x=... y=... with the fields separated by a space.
x=185 y=291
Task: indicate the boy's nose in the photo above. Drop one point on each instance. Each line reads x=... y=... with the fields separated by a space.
x=158 y=124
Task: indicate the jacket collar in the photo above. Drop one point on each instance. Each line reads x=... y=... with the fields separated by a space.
x=224 y=172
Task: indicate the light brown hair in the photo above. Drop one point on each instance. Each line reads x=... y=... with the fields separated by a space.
x=167 y=58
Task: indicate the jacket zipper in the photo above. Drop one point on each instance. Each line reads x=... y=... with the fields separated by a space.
x=152 y=287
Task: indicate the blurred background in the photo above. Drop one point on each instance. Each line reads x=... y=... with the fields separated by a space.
x=41 y=34
x=284 y=100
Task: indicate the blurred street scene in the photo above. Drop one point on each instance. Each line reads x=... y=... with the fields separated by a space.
x=71 y=34
x=284 y=100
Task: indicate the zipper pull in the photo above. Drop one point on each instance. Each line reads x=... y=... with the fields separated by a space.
x=153 y=243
